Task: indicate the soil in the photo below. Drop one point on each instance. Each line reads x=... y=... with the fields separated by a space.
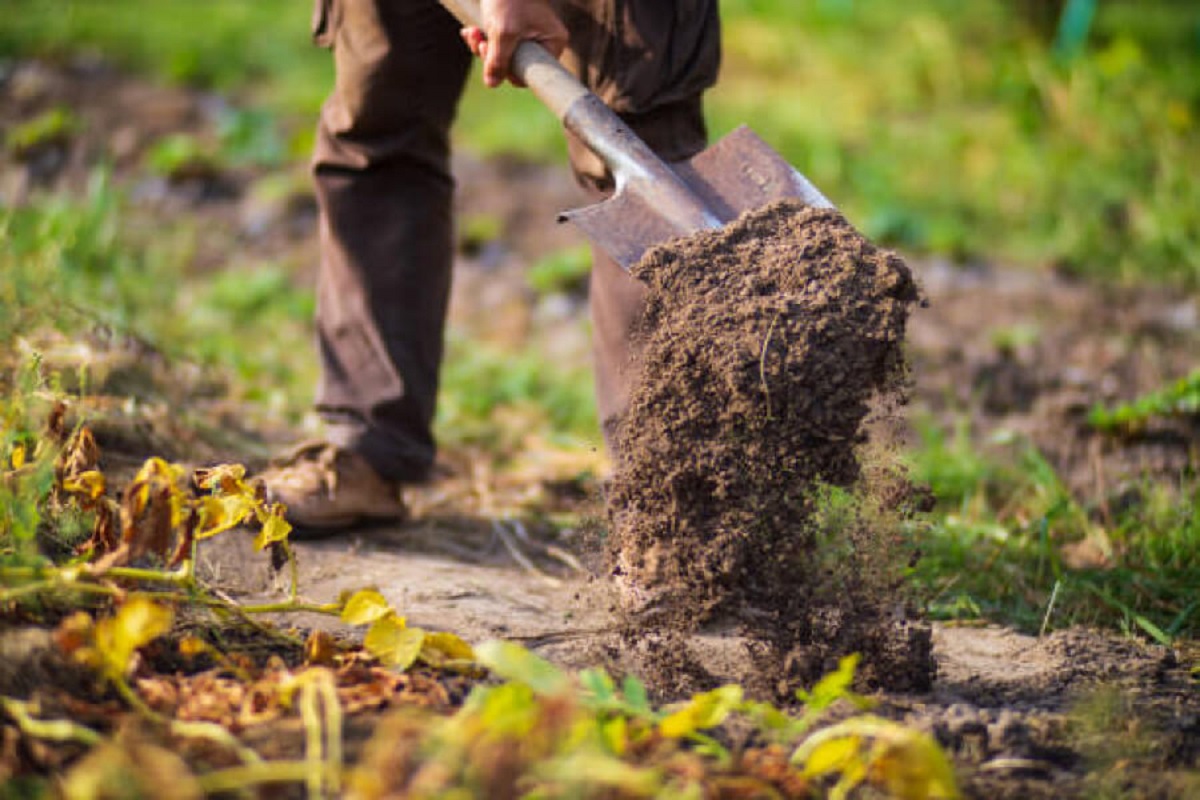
x=1014 y=352
x=761 y=350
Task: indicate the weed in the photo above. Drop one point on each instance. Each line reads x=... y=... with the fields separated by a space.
x=496 y=397
x=565 y=271
x=48 y=129
x=1181 y=399
x=182 y=156
x=1010 y=542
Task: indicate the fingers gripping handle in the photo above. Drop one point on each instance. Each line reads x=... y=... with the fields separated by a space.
x=532 y=64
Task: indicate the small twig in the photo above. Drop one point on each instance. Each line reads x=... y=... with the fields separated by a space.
x=540 y=639
x=522 y=532
x=1050 y=608
x=294 y=570
x=762 y=365
x=288 y=606
x=566 y=558
x=518 y=556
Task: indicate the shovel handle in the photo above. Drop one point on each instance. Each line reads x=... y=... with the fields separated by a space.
x=531 y=64
x=584 y=114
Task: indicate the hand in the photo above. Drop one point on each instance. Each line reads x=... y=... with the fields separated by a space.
x=507 y=23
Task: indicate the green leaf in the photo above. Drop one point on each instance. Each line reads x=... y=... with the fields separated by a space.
x=364 y=607
x=513 y=662
x=834 y=755
x=635 y=695
x=601 y=686
x=833 y=687
x=615 y=733
x=907 y=763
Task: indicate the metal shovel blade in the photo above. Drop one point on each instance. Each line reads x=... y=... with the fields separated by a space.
x=654 y=202
x=737 y=174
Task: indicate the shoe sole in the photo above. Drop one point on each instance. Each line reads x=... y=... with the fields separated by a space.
x=304 y=531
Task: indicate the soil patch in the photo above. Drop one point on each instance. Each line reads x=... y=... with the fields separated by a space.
x=763 y=349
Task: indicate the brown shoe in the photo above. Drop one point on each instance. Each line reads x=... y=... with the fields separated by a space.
x=327 y=488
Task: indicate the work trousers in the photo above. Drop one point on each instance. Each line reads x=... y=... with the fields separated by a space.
x=384 y=190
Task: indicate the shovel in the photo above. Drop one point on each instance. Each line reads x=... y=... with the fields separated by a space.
x=653 y=201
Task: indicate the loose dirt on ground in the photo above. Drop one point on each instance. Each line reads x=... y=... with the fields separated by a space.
x=1070 y=714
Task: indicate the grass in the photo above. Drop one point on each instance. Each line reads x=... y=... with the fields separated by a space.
x=77 y=266
x=1084 y=164
x=1009 y=542
x=88 y=267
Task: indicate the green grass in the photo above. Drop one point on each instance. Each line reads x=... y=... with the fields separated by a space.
x=494 y=396
x=997 y=546
x=87 y=266
x=938 y=126
x=78 y=265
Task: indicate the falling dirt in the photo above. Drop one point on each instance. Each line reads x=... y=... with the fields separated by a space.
x=763 y=349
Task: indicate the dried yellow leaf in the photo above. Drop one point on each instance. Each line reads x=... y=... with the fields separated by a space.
x=394 y=643
x=275 y=529
x=90 y=483
x=364 y=607
x=137 y=622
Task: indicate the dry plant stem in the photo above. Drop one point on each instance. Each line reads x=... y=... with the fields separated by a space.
x=294 y=573
x=68 y=579
x=313 y=742
x=235 y=778
x=515 y=551
x=762 y=366
x=58 y=730
x=323 y=733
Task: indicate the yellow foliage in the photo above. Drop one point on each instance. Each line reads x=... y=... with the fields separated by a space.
x=90 y=484
x=115 y=639
x=274 y=527
x=441 y=648
x=394 y=643
x=364 y=607
x=706 y=710
x=908 y=764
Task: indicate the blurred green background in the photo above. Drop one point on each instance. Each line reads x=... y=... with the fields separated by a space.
x=1045 y=134
x=998 y=130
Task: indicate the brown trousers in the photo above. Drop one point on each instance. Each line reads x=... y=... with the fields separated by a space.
x=384 y=189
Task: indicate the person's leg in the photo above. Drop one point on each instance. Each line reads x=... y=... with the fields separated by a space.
x=650 y=61
x=384 y=189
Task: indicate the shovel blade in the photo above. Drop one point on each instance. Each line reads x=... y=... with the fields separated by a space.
x=737 y=174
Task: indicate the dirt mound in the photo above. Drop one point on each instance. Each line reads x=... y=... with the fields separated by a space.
x=764 y=347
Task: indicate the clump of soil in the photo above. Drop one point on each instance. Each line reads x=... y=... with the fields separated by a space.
x=764 y=347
